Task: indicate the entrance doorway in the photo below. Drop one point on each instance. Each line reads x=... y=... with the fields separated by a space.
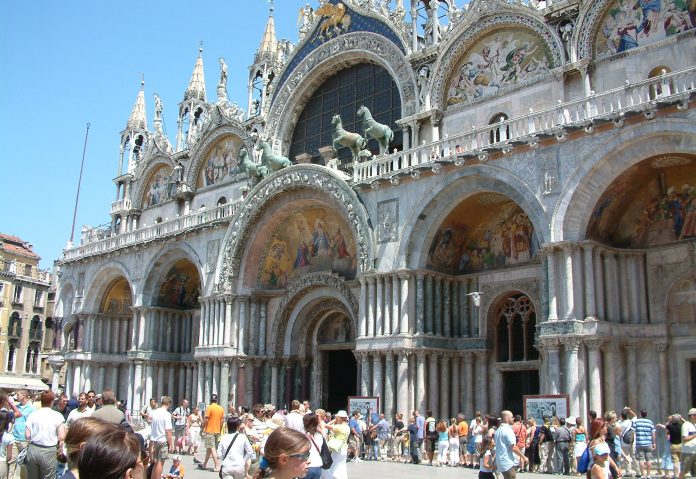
x=517 y=384
x=340 y=373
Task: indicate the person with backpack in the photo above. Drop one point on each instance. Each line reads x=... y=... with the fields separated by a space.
x=431 y=436
x=546 y=446
x=563 y=438
x=629 y=463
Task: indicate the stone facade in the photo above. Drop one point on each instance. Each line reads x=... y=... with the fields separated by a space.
x=532 y=233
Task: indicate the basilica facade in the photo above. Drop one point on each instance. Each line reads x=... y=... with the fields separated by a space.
x=446 y=206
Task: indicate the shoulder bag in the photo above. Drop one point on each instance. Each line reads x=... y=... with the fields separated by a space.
x=324 y=453
x=226 y=452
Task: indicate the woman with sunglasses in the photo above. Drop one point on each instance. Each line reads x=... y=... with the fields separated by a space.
x=286 y=455
x=600 y=468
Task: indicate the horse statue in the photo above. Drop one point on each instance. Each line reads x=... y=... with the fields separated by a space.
x=382 y=133
x=341 y=137
x=273 y=161
x=256 y=172
x=336 y=20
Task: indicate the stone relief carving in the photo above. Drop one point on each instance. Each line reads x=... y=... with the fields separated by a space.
x=549 y=175
x=382 y=50
x=296 y=290
x=297 y=177
x=388 y=221
x=508 y=20
x=211 y=255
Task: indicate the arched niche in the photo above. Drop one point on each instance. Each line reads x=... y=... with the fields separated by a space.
x=159 y=187
x=221 y=162
x=484 y=231
x=653 y=202
x=307 y=239
x=117 y=298
x=179 y=287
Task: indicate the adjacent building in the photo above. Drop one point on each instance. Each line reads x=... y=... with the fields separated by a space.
x=486 y=200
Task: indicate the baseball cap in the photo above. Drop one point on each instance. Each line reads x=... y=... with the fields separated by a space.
x=692 y=411
x=601 y=449
x=176 y=458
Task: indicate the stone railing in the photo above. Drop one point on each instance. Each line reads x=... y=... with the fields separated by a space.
x=120 y=205
x=612 y=105
x=153 y=232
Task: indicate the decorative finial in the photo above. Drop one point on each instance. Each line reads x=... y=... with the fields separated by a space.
x=142 y=81
x=270 y=2
x=200 y=49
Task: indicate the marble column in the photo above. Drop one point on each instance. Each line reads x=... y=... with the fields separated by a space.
x=482 y=366
x=611 y=358
x=445 y=384
x=377 y=377
x=253 y=337
x=432 y=383
x=263 y=313
x=553 y=366
x=578 y=283
x=370 y=306
x=274 y=383
x=550 y=255
x=403 y=322
x=592 y=347
x=242 y=342
x=437 y=305
x=420 y=382
x=631 y=373
x=389 y=385
x=148 y=382
x=162 y=387
x=100 y=378
x=55 y=376
x=172 y=390
x=455 y=407
x=216 y=381
x=137 y=403
x=446 y=308
x=386 y=316
x=402 y=405
x=379 y=308
x=664 y=385
x=395 y=297
x=572 y=346
x=468 y=381
x=420 y=303
x=588 y=277
x=241 y=382
x=362 y=309
x=249 y=386
x=365 y=376
x=569 y=296
x=188 y=382
x=599 y=283
x=429 y=308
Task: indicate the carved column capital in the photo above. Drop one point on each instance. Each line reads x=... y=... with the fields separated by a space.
x=571 y=343
x=549 y=344
x=593 y=344
x=242 y=362
x=630 y=345
x=403 y=274
x=661 y=347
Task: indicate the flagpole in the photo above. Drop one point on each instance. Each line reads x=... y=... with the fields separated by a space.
x=79 y=183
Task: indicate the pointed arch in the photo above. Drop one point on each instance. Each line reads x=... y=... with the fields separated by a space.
x=144 y=177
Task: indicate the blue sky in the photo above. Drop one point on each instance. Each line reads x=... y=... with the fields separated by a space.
x=68 y=63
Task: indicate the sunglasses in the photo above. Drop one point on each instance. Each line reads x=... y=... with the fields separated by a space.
x=302 y=457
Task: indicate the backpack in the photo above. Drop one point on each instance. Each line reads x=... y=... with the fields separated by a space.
x=584 y=462
x=629 y=436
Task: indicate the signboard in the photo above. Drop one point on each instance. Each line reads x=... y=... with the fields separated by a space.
x=549 y=405
x=368 y=406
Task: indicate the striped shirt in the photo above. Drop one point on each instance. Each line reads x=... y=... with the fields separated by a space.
x=644 y=432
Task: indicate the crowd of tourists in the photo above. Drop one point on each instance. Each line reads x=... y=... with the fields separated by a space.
x=92 y=436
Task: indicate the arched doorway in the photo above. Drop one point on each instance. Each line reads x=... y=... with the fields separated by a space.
x=514 y=322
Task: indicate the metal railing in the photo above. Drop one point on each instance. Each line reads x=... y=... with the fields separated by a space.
x=156 y=231
x=501 y=136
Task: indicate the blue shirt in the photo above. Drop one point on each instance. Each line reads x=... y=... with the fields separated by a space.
x=354 y=424
x=504 y=441
x=383 y=429
x=644 y=431
x=20 y=424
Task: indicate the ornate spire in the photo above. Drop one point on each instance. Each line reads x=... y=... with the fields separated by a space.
x=138 y=119
x=196 y=87
x=269 y=45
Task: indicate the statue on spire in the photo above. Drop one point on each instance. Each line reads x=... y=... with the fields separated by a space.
x=222 y=85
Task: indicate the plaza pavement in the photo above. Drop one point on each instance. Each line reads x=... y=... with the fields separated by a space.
x=370 y=469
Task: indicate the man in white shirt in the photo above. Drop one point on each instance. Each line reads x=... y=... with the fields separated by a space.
x=44 y=431
x=688 y=450
x=81 y=411
x=179 y=416
x=294 y=420
x=161 y=439
x=506 y=447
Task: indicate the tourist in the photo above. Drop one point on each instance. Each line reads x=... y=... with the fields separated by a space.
x=413 y=440
x=666 y=465
x=463 y=433
x=420 y=423
x=179 y=417
x=400 y=449
x=234 y=451
x=382 y=428
x=115 y=454
x=161 y=438
x=645 y=442
x=688 y=448
x=146 y=411
x=339 y=445
x=506 y=447
x=286 y=455
x=532 y=445
x=44 y=430
x=6 y=442
x=61 y=406
x=487 y=461
x=212 y=426
x=311 y=426
x=294 y=418
x=546 y=446
x=176 y=470
x=355 y=439
x=627 y=434
x=77 y=435
x=579 y=440
x=600 y=466
x=476 y=429
x=24 y=409
x=612 y=438
x=108 y=412
x=193 y=424
x=563 y=438
x=91 y=400
x=431 y=436
x=598 y=432
x=442 y=442
x=673 y=429
x=453 y=451
x=80 y=411
x=520 y=431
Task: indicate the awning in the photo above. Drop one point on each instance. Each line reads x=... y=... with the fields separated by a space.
x=22 y=382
